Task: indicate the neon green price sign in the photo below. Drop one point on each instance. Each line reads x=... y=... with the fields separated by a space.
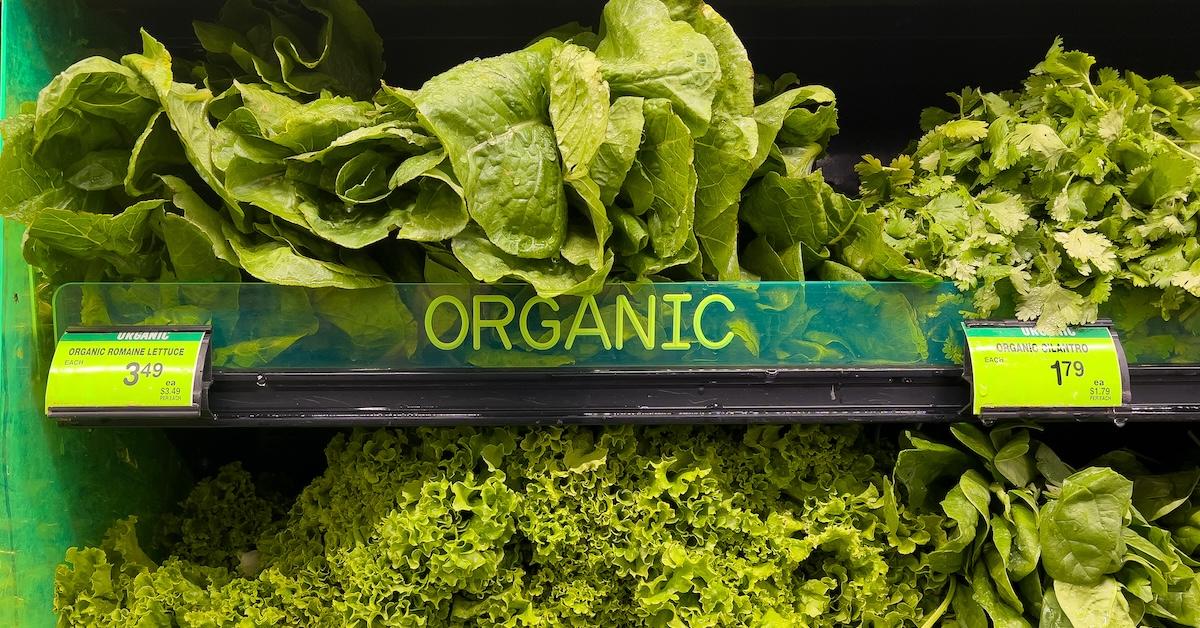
x=130 y=370
x=1016 y=367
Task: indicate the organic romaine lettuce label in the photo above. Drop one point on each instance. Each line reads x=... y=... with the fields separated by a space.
x=130 y=369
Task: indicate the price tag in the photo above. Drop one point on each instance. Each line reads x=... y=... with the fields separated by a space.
x=159 y=371
x=1015 y=369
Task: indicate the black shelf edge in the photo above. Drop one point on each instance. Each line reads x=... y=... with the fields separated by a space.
x=493 y=397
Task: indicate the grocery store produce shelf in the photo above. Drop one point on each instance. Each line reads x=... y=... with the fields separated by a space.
x=887 y=394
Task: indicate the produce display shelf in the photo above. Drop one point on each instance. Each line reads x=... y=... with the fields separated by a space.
x=407 y=354
x=399 y=398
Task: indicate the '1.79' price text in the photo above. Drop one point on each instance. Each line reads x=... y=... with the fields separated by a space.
x=1064 y=369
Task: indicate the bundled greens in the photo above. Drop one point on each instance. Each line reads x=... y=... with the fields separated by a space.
x=680 y=526
x=1076 y=192
x=768 y=526
x=647 y=151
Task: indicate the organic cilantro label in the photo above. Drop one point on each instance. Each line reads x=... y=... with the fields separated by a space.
x=1020 y=367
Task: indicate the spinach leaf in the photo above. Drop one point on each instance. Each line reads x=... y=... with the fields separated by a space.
x=1081 y=530
x=1101 y=605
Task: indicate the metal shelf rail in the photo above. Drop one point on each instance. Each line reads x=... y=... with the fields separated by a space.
x=376 y=397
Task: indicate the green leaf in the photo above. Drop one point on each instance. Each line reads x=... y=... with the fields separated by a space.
x=156 y=153
x=95 y=104
x=999 y=575
x=438 y=212
x=1183 y=601
x=597 y=216
x=964 y=129
x=788 y=211
x=629 y=232
x=735 y=91
x=203 y=217
x=274 y=261
x=1055 y=308
x=1026 y=551
x=1091 y=251
x=1001 y=614
x=645 y=263
x=736 y=145
x=643 y=52
x=1102 y=604
x=491 y=116
x=364 y=178
x=1051 y=466
x=728 y=153
x=1155 y=496
x=974 y=439
x=99 y=170
x=616 y=154
x=967 y=611
x=390 y=136
x=285 y=316
x=666 y=157
x=329 y=45
x=375 y=320
x=191 y=252
x=1004 y=211
x=29 y=186
x=921 y=468
x=762 y=259
x=579 y=106
x=833 y=271
x=1052 y=615
x=124 y=240
x=1014 y=462
x=1081 y=531
x=185 y=107
x=719 y=240
x=551 y=277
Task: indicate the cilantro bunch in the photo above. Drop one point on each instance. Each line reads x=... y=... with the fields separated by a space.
x=1078 y=191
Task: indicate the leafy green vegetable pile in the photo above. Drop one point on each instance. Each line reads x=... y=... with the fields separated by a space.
x=681 y=526
x=1028 y=540
x=647 y=151
x=1079 y=190
x=770 y=526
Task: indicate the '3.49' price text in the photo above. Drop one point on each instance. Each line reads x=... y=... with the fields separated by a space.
x=142 y=372
x=138 y=370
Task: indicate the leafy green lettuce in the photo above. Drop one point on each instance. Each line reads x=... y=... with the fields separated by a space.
x=635 y=153
x=771 y=526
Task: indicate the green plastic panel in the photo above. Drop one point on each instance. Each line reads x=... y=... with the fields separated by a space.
x=61 y=487
x=435 y=326
x=671 y=325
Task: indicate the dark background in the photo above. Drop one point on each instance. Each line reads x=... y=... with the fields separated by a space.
x=885 y=59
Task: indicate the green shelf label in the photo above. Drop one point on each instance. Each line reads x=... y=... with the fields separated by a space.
x=1014 y=367
x=126 y=370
